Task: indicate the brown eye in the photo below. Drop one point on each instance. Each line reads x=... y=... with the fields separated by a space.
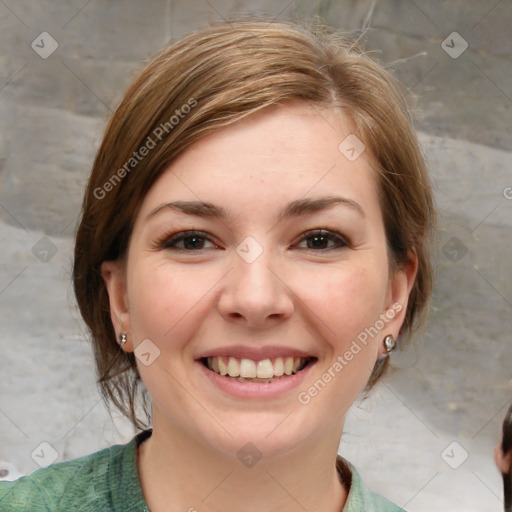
x=320 y=239
x=185 y=241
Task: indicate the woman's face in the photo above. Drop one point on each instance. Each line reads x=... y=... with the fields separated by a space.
x=260 y=250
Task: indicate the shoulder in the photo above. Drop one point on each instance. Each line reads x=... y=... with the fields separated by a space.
x=361 y=498
x=80 y=485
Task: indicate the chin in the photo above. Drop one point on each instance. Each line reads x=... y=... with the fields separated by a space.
x=266 y=434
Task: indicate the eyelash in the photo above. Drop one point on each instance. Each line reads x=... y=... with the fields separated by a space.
x=168 y=240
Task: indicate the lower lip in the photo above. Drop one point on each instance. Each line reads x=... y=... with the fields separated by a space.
x=256 y=389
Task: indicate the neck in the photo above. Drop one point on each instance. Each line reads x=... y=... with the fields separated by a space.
x=178 y=474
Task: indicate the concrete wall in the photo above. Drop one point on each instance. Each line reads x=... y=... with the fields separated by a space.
x=53 y=109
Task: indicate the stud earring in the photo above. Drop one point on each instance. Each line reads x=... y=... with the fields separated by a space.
x=122 y=339
x=389 y=343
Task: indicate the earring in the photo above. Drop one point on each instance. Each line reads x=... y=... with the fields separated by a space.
x=389 y=343
x=122 y=339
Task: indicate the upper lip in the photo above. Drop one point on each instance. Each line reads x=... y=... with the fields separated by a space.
x=255 y=353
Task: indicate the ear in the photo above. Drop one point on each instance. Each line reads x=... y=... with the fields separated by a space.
x=400 y=285
x=503 y=462
x=114 y=275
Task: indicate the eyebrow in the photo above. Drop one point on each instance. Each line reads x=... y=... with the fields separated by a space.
x=294 y=209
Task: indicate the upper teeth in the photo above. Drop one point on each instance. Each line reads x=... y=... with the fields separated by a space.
x=247 y=368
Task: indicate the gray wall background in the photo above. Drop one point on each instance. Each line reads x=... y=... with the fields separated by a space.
x=453 y=385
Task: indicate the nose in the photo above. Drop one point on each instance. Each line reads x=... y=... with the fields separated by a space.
x=255 y=294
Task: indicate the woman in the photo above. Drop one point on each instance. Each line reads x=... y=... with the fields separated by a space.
x=254 y=239
x=503 y=458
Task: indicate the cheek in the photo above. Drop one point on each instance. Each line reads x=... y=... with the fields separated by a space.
x=347 y=303
x=160 y=298
x=346 y=300
x=169 y=302
x=347 y=306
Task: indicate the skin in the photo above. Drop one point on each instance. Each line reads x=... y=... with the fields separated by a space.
x=504 y=462
x=294 y=294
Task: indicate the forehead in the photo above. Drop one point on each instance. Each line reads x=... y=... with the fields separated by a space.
x=278 y=154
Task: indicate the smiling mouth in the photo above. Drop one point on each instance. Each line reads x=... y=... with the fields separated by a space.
x=263 y=371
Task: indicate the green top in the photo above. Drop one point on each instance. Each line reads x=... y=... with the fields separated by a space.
x=108 y=481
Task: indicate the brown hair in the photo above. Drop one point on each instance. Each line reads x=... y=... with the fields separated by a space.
x=215 y=77
x=506 y=451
